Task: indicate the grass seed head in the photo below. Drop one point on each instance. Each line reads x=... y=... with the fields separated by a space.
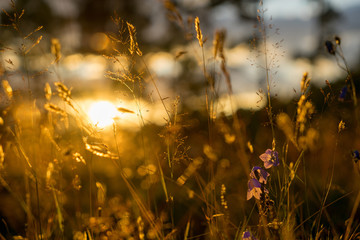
x=55 y=109
x=199 y=35
x=341 y=126
x=286 y=125
x=134 y=46
x=2 y=157
x=7 y=88
x=56 y=49
x=218 y=44
x=47 y=91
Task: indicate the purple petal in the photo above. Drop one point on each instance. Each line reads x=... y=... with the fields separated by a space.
x=246 y=235
x=261 y=175
x=265 y=157
x=253 y=183
x=254 y=189
x=268 y=164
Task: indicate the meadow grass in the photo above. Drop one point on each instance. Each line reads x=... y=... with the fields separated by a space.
x=288 y=171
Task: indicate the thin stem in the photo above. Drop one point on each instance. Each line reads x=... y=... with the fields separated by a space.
x=328 y=189
x=156 y=88
x=267 y=70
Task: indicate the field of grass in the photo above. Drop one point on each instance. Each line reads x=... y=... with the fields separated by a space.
x=288 y=170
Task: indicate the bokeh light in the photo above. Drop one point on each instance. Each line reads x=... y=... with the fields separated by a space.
x=102 y=113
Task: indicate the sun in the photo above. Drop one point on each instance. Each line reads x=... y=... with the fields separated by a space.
x=102 y=113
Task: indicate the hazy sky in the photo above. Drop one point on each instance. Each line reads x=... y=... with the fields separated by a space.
x=301 y=8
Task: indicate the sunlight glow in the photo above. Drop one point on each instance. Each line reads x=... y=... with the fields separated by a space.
x=102 y=113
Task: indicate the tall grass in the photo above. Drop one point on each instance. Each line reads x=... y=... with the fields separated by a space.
x=289 y=171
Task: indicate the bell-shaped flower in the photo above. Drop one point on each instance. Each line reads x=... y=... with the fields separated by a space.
x=254 y=189
x=270 y=158
x=343 y=93
x=248 y=236
x=356 y=155
x=260 y=174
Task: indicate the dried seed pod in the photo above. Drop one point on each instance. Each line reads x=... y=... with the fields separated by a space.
x=337 y=40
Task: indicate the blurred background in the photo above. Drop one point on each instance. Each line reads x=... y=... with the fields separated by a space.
x=298 y=31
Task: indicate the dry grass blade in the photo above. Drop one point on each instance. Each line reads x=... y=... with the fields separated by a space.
x=146 y=213
x=173 y=13
x=179 y=54
x=22 y=203
x=171 y=235
x=21 y=14
x=227 y=76
x=60 y=217
x=55 y=109
x=124 y=110
x=187 y=229
x=352 y=217
x=32 y=46
x=37 y=29
x=99 y=149
x=7 y=14
x=163 y=183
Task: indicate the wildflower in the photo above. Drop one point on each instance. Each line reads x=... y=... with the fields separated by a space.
x=248 y=236
x=355 y=155
x=330 y=47
x=270 y=158
x=254 y=189
x=260 y=174
x=343 y=94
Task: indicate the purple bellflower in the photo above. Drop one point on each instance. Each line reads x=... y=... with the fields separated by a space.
x=254 y=189
x=330 y=47
x=260 y=174
x=356 y=155
x=270 y=158
x=343 y=94
x=248 y=236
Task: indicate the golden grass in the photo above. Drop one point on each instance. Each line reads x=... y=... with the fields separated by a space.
x=185 y=179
